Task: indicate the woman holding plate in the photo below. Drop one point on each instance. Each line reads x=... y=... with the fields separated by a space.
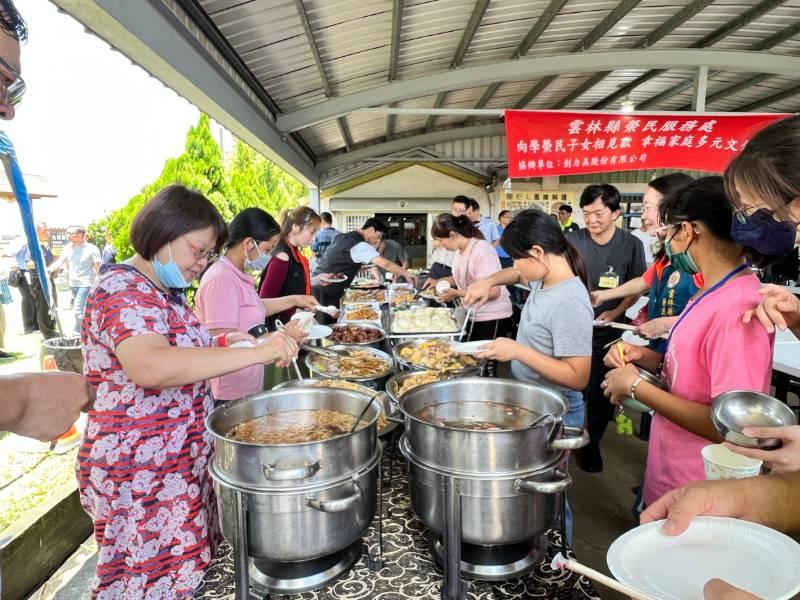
x=227 y=300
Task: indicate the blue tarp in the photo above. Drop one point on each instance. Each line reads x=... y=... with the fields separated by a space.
x=9 y=157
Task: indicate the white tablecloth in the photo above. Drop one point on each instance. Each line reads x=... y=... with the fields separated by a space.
x=786 y=358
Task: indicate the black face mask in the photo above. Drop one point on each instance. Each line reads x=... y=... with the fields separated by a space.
x=762 y=233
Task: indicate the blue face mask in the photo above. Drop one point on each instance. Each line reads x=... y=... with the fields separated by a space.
x=257 y=264
x=170 y=274
x=762 y=233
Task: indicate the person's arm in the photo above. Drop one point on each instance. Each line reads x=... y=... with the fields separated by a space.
x=615 y=313
x=97 y=259
x=778 y=308
x=388 y=265
x=692 y=416
x=656 y=328
x=643 y=357
x=569 y=371
x=43 y=405
x=62 y=258
x=770 y=500
x=151 y=362
x=479 y=291
x=634 y=287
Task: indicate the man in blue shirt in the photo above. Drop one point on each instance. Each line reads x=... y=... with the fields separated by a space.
x=485 y=224
x=324 y=237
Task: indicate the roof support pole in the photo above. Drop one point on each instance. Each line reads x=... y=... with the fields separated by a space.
x=700 y=87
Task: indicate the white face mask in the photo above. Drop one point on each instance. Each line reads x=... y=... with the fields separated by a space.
x=259 y=263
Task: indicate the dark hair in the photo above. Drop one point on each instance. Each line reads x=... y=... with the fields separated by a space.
x=174 y=211
x=76 y=229
x=326 y=217
x=462 y=200
x=445 y=224
x=474 y=206
x=11 y=21
x=566 y=208
x=768 y=168
x=300 y=216
x=376 y=224
x=702 y=200
x=670 y=183
x=252 y=223
x=607 y=193
x=503 y=212
x=533 y=227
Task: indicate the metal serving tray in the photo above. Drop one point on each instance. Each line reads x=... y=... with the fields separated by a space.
x=460 y=314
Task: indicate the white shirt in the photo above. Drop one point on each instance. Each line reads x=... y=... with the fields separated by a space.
x=362 y=253
x=646 y=240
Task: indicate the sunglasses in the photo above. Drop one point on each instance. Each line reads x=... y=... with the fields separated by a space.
x=14 y=85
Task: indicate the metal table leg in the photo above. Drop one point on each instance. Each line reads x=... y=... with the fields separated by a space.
x=240 y=558
x=454 y=588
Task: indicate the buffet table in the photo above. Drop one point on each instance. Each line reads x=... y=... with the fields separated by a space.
x=408 y=567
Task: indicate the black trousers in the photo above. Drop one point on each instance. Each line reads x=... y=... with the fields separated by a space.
x=35 y=312
x=327 y=295
x=490 y=330
x=598 y=408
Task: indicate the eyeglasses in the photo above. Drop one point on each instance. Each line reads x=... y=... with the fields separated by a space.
x=199 y=254
x=14 y=86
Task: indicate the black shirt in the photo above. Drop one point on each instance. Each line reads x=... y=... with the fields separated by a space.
x=623 y=252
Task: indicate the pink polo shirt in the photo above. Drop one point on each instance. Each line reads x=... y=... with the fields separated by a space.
x=711 y=352
x=478 y=261
x=226 y=299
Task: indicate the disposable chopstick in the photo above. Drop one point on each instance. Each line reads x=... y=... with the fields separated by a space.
x=559 y=562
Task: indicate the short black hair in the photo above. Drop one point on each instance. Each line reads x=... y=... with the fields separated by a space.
x=11 y=22
x=376 y=224
x=174 y=211
x=566 y=208
x=326 y=217
x=474 y=205
x=253 y=223
x=606 y=192
x=503 y=212
x=702 y=200
x=462 y=200
x=670 y=183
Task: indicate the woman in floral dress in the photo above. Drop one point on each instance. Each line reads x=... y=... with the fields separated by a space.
x=142 y=467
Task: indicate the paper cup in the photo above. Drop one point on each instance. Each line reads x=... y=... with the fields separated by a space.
x=441 y=286
x=721 y=463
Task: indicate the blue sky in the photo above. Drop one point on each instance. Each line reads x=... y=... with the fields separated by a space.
x=96 y=125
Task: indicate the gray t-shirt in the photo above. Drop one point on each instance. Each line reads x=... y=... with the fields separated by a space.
x=556 y=321
x=623 y=252
x=82 y=260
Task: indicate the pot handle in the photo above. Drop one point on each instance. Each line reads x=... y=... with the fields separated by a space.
x=545 y=487
x=578 y=438
x=397 y=420
x=274 y=473
x=340 y=505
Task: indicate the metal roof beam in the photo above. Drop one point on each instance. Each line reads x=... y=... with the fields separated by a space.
x=584 y=62
x=770 y=42
x=348 y=141
x=712 y=38
x=409 y=142
x=581 y=89
x=152 y=36
x=535 y=91
x=771 y=99
x=469 y=32
x=483 y=100
x=670 y=25
x=301 y=12
x=437 y=104
x=542 y=23
x=729 y=91
x=394 y=47
x=699 y=91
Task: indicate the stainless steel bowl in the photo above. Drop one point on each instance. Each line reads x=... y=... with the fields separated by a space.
x=385 y=403
x=732 y=411
x=375 y=381
x=409 y=366
x=374 y=342
x=396 y=381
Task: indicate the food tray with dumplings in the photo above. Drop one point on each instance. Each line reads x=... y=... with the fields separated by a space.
x=428 y=322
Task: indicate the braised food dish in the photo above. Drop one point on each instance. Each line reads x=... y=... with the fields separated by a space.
x=361 y=314
x=402 y=298
x=436 y=355
x=366 y=296
x=478 y=416
x=353 y=334
x=293 y=427
x=349 y=385
x=418 y=379
x=359 y=363
x=424 y=320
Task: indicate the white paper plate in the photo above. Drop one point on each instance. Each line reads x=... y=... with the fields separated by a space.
x=749 y=556
x=327 y=279
x=319 y=331
x=469 y=347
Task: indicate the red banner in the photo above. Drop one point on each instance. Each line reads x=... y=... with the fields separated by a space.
x=542 y=143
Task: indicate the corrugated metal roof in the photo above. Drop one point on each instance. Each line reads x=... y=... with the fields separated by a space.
x=354 y=42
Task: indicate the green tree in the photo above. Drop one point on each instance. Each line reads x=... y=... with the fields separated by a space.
x=249 y=179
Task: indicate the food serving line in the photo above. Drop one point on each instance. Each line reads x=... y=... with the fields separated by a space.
x=299 y=471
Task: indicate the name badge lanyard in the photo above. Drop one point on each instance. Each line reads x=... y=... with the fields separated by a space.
x=691 y=306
